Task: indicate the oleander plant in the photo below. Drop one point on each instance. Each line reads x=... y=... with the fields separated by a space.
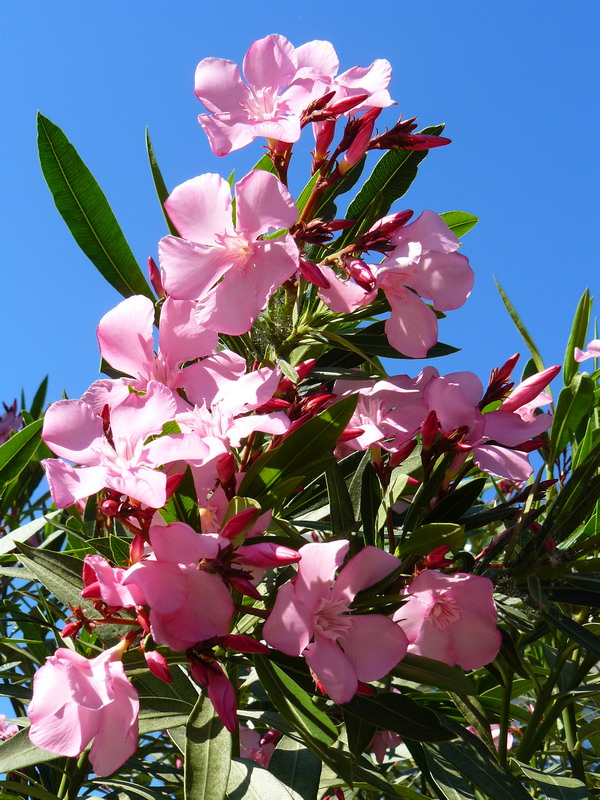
x=275 y=551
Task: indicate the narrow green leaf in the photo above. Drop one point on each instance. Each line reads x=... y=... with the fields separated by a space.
x=359 y=733
x=301 y=456
x=19 y=752
x=574 y=402
x=581 y=322
x=370 y=500
x=306 y=192
x=9 y=541
x=447 y=778
x=86 y=211
x=340 y=505
x=427 y=537
x=452 y=507
x=535 y=353
x=573 y=629
x=247 y=781
x=390 y=179
x=37 y=403
x=474 y=761
x=294 y=704
x=266 y=164
x=429 y=672
x=18 y=451
x=297 y=767
x=159 y=184
x=555 y=787
x=459 y=222
x=398 y=713
x=207 y=754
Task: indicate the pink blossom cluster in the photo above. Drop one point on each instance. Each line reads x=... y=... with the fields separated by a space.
x=186 y=406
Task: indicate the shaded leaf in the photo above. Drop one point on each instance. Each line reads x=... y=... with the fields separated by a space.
x=207 y=754
x=297 y=767
x=18 y=451
x=398 y=713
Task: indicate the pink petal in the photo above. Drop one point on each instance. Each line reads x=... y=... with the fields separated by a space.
x=146 y=485
x=270 y=62
x=200 y=208
x=69 y=484
x=140 y=416
x=343 y=297
x=107 y=393
x=125 y=336
x=510 y=464
x=112 y=591
x=374 y=645
x=73 y=431
x=250 y=391
x=431 y=231
x=225 y=136
x=189 y=269
x=263 y=204
x=332 y=669
x=275 y=424
x=178 y=543
x=207 y=377
x=475 y=642
x=319 y=57
x=507 y=428
x=369 y=79
x=218 y=85
x=444 y=278
x=317 y=570
x=117 y=737
x=592 y=351
x=290 y=625
x=528 y=389
x=222 y=695
x=412 y=327
x=180 y=337
x=367 y=567
x=161 y=585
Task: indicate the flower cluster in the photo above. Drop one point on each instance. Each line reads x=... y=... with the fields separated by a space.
x=242 y=288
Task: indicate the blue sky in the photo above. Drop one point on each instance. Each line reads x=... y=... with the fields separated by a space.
x=512 y=81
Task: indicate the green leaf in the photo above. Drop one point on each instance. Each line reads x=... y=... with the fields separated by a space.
x=573 y=629
x=372 y=340
x=474 y=761
x=9 y=541
x=301 y=456
x=398 y=713
x=427 y=537
x=297 y=767
x=459 y=222
x=265 y=163
x=306 y=192
x=555 y=787
x=86 y=211
x=18 y=451
x=159 y=184
x=207 y=754
x=19 y=752
x=37 y=404
x=390 y=179
x=452 y=507
x=294 y=704
x=574 y=402
x=581 y=322
x=370 y=500
x=429 y=672
x=340 y=505
x=247 y=781
x=535 y=353
x=359 y=733
x=447 y=780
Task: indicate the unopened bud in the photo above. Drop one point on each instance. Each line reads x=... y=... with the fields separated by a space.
x=324 y=132
x=157 y=664
x=236 y=524
x=143 y=620
x=110 y=508
x=361 y=273
x=530 y=388
x=429 y=430
x=136 y=549
x=312 y=273
x=173 y=482
x=360 y=141
x=243 y=643
x=92 y=591
x=225 y=465
x=70 y=629
x=351 y=433
x=155 y=278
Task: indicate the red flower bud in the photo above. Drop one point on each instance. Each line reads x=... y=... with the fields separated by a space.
x=70 y=629
x=92 y=591
x=243 y=643
x=239 y=522
x=155 y=278
x=157 y=664
x=225 y=465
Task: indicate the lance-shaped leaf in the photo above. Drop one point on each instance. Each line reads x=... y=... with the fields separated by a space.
x=297 y=767
x=247 y=781
x=207 y=754
x=427 y=537
x=294 y=704
x=554 y=787
x=9 y=541
x=340 y=505
x=159 y=183
x=18 y=451
x=85 y=209
x=525 y=335
x=299 y=458
x=577 y=336
x=429 y=672
x=19 y=752
x=574 y=402
x=459 y=222
x=398 y=713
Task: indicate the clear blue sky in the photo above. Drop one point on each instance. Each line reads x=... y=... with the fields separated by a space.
x=513 y=81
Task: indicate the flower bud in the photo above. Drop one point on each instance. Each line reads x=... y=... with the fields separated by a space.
x=225 y=465
x=243 y=643
x=157 y=664
x=236 y=524
x=360 y=140
x=529 y=388
x=155 y=278
x=70 y=629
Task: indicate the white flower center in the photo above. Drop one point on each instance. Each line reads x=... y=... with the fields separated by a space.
x=262 y=104
x=331 y=618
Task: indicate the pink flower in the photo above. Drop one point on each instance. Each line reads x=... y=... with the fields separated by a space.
x=125 y=337
x=423 y=265
x=187 y=604
x=282 y=82
x=122 y=462
x=311 y=616
x=6 y=729
x=103 y=581
x=9 y=421
x=451 y=618
x=251 y=267
x=592 y=351
x=76 y=700
x=251 y=746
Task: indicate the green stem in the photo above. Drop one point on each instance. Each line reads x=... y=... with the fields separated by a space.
x=79 y=775
x=575 y=757
x=505 y=717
